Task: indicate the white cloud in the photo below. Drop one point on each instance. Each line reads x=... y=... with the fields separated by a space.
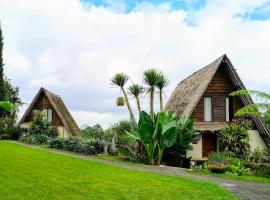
x=74 y=52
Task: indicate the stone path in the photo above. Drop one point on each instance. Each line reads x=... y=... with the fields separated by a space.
x=242 y=189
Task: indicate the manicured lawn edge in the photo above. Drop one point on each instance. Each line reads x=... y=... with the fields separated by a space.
x=247 y=178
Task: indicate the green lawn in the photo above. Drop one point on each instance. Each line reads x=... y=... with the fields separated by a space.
x=27 y=174
x=231 y=176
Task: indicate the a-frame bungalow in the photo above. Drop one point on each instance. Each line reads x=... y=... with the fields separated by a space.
x=204 y=96
x=55 y=112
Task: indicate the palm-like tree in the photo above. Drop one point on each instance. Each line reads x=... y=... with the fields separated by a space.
x=119 y=80
x=161 y=84
x=136 y=90
x=255 y=108
x=150 y=78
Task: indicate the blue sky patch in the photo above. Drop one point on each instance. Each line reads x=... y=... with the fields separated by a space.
x=260 y=13
x=130 y=5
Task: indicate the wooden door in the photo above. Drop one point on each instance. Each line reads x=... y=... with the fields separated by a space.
x=209 y=144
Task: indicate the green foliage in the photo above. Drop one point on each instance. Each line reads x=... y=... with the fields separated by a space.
x=77 y=144
x=259 y=162
x=257 y=109
x=135 y=90
x=162 y=131
x=96 y=132
x=221 y=162
x=235 y=138
x=42 y=127
x=119 y=79
x=35 y=139
x=6 y=106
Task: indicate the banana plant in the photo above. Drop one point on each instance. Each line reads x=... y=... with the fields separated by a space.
x=156 y=134
x=6 y=106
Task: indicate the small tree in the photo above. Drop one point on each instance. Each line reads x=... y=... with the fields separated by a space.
x=150 y=78
x=136 y=90
x=119 y=80
x=161 y=84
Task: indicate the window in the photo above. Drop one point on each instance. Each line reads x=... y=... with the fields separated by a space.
x=207 y=109
x=227 y=109
x=48 y=114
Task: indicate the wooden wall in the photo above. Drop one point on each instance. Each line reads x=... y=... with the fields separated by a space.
x=43 y=103
x=219 y=88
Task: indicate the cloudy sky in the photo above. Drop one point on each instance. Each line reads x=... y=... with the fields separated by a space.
x=74 y=47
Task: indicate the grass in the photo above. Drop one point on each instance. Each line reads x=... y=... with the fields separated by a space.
x=28 y=174
x=248 y=178
x=119 y=159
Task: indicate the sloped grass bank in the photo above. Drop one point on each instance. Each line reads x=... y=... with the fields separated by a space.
x=33 y=174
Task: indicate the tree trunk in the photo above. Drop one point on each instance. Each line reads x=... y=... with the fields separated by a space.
x=113 y=146
x=139 y=105
x=128 y=105
x=161 y=100
x=152 y=101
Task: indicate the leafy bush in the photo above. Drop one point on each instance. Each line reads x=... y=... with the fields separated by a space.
x=42 y=127
x=77 y=144
x=35 y=139
x=57 y=143
x=259 y=162
x=230 y=162
x=236 y=139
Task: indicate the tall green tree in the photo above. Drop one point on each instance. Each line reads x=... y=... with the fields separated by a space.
x=119 y=80
x=161 y=84
x=136 y=90
x=2 y=81
x=150 y=78
x=261 y=108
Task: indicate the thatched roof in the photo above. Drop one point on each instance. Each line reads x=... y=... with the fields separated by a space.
x=189 y=92
x=59 y=107
x=210 y=126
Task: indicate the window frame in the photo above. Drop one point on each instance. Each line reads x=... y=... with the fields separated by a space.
x=211 y=108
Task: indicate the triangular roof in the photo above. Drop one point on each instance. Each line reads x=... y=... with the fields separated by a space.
x=59 y=107
x=189 y=92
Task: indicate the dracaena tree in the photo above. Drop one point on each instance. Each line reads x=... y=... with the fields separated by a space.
x=150 y=78
x=162 y=82
x=119 y=80
x=136 y=91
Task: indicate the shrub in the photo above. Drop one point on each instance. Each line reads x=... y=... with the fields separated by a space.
x=217 y=168
x=35 y=139
x=77 y=144
x=57 y=143
x=236 y=139
x=42 y=127
x=231 y=163
x=259 y=162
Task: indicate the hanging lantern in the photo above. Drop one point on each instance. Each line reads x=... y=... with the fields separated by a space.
x=120 y=101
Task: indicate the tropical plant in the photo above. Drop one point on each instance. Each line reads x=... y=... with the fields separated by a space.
x=136 y=90
x=161 y=84
x=235 y=138
x=261 y=108
x=150 y=78
x=161 y=132
x=6 y=106
x=119 y=80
